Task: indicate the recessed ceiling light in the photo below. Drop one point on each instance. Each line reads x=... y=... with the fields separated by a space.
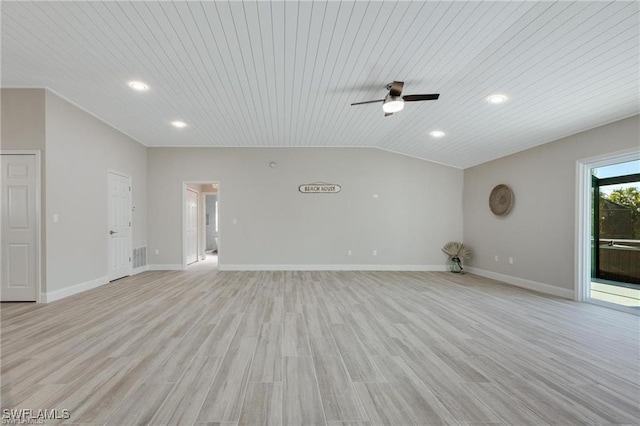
x=138 y=85
x=437 y=133
x=179 y=124
x=497 y=99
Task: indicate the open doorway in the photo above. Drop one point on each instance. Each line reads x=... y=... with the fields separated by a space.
x=608 y=260
x=201 y=236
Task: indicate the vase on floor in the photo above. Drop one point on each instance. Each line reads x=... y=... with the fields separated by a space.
x=455 y=265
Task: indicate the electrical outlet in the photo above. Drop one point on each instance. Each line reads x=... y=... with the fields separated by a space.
x=510 y=260
x=235 y=221
x=157 y=252
x=495 y=258
x=375 y=252
x=348 y=252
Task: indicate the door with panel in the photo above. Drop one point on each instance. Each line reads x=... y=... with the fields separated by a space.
x=20 y=217
x=119 y=226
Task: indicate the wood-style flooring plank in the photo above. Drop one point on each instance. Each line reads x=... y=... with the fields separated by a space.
x=358 y=362
x=382 y=405
x=339 y=399
x=504 y=405
x=418 y=399
x=262 y=405
x=140 y=407
x=185 y=398
x=302 y=402
x=295 y=340
x=267 y=360
x=224 y=400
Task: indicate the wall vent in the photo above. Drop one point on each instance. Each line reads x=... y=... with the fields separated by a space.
x=139 y=257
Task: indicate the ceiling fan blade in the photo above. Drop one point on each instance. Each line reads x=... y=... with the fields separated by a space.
x=367 y=102
x=386 y=114
x=414 y=98
x=395 y=88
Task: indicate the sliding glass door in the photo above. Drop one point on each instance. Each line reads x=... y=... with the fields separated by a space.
x=615 y=268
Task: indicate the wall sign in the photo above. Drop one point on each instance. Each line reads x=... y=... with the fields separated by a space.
x=319 y=188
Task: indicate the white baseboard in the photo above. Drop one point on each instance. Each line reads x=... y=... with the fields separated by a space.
x=71 y=290
x=165 y=267
x=139 y=270
x=247 y=267
x=521 y=282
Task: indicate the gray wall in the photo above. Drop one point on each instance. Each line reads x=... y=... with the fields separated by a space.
x=418 y=210
x=539 y=232
x=80 y=151
x=23 y=119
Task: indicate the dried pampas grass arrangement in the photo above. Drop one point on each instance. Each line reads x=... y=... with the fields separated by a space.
x=455 y=249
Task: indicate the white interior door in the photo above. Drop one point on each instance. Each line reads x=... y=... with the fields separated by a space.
x=19 y=228
x=119 y=226
x=192 y=226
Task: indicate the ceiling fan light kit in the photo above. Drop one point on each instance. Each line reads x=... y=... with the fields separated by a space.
x=394 y=101
x=392 y=104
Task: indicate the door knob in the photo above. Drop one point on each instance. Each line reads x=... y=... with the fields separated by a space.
x=112 y=232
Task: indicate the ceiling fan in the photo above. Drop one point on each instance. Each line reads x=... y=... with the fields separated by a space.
x=394 y=102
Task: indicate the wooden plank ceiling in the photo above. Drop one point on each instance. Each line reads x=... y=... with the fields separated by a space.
x=272 y=74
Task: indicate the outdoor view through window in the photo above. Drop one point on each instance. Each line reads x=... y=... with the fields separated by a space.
x=616 y=234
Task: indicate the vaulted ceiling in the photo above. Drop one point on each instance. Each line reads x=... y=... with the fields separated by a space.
x=273 y=74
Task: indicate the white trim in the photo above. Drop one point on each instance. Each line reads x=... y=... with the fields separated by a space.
x=39 y=272
x=614 y=306
x=184 y=220
x=183 y=224
x=74 y=289
x=204 y=204
x=582 y=261
x=165 y=267
x=521 y=282
x=140 y=270
x=319 y=267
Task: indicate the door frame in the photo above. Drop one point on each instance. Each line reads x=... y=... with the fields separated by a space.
x=128 y=176
x=184 y=216
x=204 y=201
x=583 y=258
x=184 y=225
x=39 y=296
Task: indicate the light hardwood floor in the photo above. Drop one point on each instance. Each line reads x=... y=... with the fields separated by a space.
x=334 y=348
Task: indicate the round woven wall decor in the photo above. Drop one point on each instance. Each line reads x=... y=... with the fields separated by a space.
x=501 y=200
